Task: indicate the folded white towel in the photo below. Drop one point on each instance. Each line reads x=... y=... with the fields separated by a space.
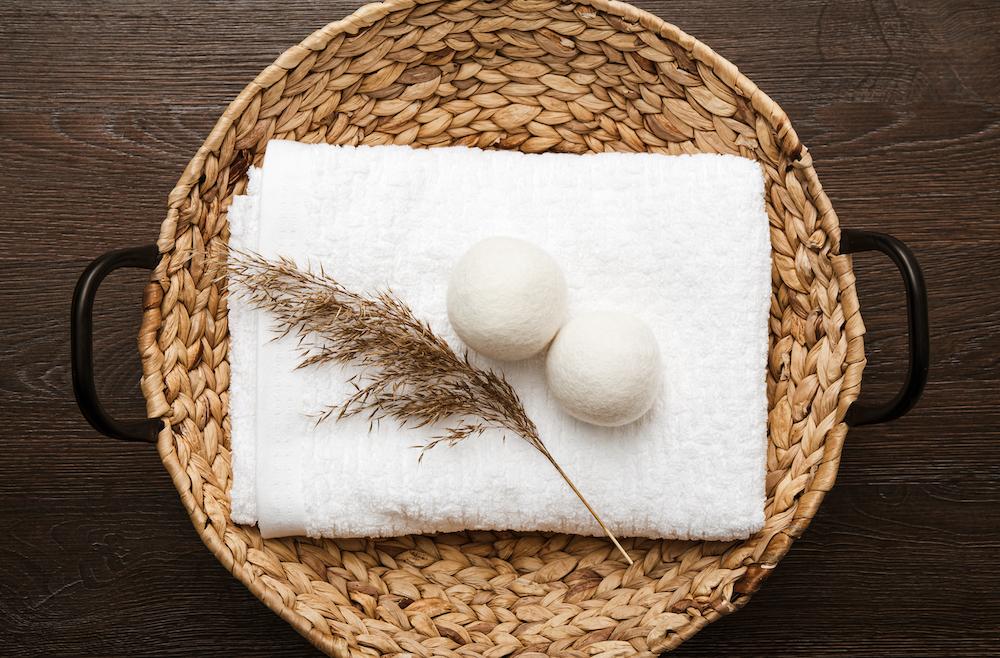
x=682 y=242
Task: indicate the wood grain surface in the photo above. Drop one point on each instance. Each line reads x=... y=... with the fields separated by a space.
x=103 y=103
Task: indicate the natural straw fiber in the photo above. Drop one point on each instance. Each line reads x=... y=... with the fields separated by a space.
x=534 y=75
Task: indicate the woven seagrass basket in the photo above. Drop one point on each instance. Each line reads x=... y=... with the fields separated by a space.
x=533 y=75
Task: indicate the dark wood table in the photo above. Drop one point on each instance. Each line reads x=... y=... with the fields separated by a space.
x=103 y=103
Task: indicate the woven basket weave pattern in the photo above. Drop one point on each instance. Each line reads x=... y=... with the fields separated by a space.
x=533 y=75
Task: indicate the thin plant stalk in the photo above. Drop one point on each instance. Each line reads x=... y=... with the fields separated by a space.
x=405 y=371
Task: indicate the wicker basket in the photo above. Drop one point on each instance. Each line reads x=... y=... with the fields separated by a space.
x=534 y=75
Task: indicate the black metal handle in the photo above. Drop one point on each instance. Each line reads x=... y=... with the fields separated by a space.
x=853 y=241
x=82 y=344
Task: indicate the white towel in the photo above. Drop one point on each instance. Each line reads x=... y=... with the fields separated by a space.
x=682 y=242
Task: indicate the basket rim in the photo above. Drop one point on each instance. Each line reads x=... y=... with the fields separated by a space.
x=153 y=382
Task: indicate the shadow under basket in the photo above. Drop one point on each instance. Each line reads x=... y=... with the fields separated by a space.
x=532 y=75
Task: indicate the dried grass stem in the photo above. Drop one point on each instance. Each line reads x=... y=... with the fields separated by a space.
x=405 y=371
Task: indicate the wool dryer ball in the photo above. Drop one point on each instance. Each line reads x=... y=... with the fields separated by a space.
x=506 y=298
x=604 y=368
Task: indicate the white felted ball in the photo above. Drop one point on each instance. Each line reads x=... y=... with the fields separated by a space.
x=506 y=298
x=604 y=368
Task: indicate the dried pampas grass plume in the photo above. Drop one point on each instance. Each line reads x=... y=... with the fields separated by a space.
x=406 y=372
